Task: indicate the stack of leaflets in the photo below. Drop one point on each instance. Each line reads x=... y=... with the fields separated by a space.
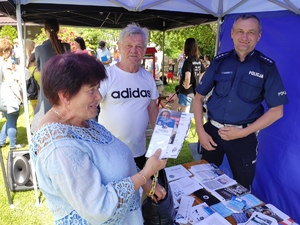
x=169 y=133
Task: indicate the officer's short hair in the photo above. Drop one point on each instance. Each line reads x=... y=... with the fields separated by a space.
x=248 y=16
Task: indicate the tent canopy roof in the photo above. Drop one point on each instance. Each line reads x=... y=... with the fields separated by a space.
x=111 y=17
x=153 y=14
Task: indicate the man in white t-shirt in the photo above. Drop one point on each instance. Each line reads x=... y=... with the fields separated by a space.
x=103 y=54
x=129 y=94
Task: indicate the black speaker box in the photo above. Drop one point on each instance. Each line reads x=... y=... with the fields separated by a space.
x=19 y=170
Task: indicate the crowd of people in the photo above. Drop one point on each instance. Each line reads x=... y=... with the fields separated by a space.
x=92 y=170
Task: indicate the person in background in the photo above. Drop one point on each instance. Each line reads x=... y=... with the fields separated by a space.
x=180 y=61
x=207 y=60
x=29 y=47
x=31 y=67
x=170 y=76
x=129 y=94
x=158 y=81
x=11 y=97
x=242 y=79
x=191 y=71
x=50 y=48
x=103 y=54
x=116 y=57
x=87 y=175
x=79 y=45
x=16 y=52
x=90 y=51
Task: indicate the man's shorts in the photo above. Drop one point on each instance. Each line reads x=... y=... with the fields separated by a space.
x=184 y=100
x=170 y=75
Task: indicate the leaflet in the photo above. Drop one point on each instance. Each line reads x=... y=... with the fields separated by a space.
x=169 y=133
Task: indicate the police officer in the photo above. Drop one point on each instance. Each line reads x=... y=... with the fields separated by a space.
x=242 y=78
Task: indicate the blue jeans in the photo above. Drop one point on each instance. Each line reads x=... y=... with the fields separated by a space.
x=9 y=128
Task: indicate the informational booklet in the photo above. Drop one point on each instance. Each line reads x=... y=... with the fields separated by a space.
x=217 y=183
x=169 y=133
x=261 y=218
x=176 y=172
x=269 y=210
x=199 y=213
x=214 y=219
x=235 y=190
x=183 y=186
x=104 y=58
x=205 y=171
x=185 y=206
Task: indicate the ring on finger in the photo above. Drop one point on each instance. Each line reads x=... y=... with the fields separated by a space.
x=162 y=190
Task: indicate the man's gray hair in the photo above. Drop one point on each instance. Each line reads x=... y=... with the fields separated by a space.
x=133 y=29
x=248 y=16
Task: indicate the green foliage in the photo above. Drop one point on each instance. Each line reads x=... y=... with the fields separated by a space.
x=9 y=31
x=91 y=36
x=174 y=39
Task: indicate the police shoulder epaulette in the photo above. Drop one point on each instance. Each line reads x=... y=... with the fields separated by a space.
x=221 y=56
x=265 y=59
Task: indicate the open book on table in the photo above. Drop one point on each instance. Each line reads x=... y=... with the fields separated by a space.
x=169 y=133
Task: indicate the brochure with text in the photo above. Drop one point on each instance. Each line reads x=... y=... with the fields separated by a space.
x=169 y=133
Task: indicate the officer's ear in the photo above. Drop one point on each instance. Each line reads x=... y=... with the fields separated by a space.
x=259 y=36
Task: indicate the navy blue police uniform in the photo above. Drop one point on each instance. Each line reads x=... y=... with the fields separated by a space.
x=239 y=90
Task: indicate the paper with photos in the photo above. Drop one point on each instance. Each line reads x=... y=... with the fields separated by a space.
x=169 y=133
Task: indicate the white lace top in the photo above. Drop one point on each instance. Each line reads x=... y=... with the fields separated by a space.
x=84 y=174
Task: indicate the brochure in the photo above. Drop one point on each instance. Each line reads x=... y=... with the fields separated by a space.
x=183 y=186
x=234 y=190
x=214 y=219
x=260 y=218
x=199 y=213
x=169 y=133
x=104 y=58
x=176 y=172
x=217 y=183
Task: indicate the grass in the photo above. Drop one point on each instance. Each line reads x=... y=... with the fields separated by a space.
x=26 y=211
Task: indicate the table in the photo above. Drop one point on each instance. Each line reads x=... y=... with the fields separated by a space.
x=197 y=200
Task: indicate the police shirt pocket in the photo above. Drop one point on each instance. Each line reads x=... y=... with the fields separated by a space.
x=223 y=84
x=250 y=88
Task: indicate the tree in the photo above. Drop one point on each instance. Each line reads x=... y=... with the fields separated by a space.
x=9 y=31
x=174 y=39
x=91 y=36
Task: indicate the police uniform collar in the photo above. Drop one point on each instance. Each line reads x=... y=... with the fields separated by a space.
x=249 y=56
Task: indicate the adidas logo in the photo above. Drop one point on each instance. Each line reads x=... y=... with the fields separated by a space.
x=128 y=93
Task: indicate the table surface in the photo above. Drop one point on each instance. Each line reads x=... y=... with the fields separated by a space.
x=197 y=200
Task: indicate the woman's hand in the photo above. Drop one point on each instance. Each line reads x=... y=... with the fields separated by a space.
x=154 y=164
x=159 y=194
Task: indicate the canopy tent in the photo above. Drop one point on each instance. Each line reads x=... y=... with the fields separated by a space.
x=279 y=143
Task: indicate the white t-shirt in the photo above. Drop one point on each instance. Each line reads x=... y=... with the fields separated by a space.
x=125 y=98
x=103 y=55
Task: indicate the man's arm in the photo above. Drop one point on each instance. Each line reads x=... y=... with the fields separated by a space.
x=153 y=112
x=205 y=139
x=273 y=114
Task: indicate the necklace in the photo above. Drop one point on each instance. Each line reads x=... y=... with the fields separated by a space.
x=57 y=113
